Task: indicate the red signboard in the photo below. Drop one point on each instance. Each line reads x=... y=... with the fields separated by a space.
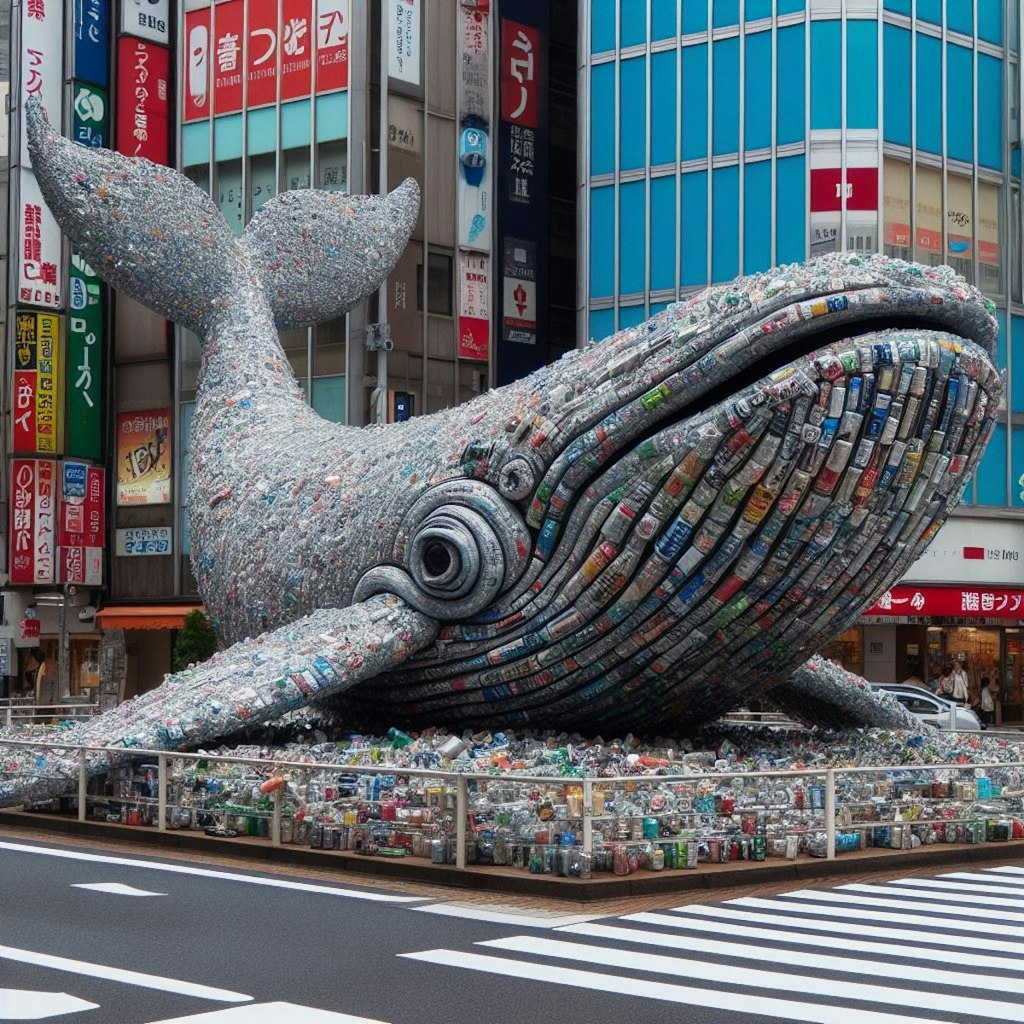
x=30 y=629
x=32 y=536
x=143 y=99
x=195 y=65
x=957 y=602
x=82 y=523
x=226 y=56
x=827 y=189
x=331 y=45
x=520 y=73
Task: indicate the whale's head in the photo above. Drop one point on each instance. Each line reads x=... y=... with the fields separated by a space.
x=676 y=517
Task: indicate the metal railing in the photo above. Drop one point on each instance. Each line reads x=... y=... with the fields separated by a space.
x=13 y=712
x=461 y=781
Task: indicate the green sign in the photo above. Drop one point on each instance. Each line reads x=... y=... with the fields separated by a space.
x=84 y=362
x=92 y=123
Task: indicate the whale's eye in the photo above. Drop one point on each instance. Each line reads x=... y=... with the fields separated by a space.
x=516 y=480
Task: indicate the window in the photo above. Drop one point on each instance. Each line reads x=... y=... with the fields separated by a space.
x=262 y=179
x=229 y=199
x=917 y=705
x=896 y=209
x=439 y=284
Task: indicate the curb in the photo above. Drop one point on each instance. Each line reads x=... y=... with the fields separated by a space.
x=516 y=881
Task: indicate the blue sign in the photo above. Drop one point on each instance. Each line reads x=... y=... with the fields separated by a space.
x=92 y=41
x=74 y=479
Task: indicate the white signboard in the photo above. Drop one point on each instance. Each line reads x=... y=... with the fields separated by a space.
x=39 y=247
x=404 y=40
x=983 y=551
x=145 y=540
x=147 y=19
x=42 y=62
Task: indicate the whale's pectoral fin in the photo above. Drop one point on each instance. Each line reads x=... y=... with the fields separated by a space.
x=145 y=229
x=319 y=253
x=823 y=694
x=254 y=681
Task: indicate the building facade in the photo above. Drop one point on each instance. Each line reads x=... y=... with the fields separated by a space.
x=251 y=98
x=724 y=137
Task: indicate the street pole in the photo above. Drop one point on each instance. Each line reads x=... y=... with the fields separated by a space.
x=63 y=675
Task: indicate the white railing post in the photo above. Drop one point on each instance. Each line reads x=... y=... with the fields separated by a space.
x=81 y=783
x=161 y=792
x=10 y=717
x=588 y=816
x=830 y=813
x=275 y=822
x=461 y=811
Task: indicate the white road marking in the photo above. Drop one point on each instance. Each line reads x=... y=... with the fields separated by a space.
x=1007 y=871
x=224 y=876
x=827 y=960
x=24 y=1004
x=115 y=888
x=271 y=1013
x=505 y=917
x=824 y=908
x=877 y=895
x=953 y=882
x=818 y=924
x=120 y=974
x=778 y=981
x=687 y=995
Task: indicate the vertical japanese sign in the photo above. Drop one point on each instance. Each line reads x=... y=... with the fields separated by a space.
x=39 y=247
x=33 y=521
x=521 y=188
x=90 y=27
x=81 y=524
x=474 y=193
x=42 y=61
x=37 y=376
x=147 y=19
x=403 y=40
x=195 y=65
x=143 y=98
x=144 y=457
x=84 y=361
x=91 y=121
x=474 y=318
x=332 y=45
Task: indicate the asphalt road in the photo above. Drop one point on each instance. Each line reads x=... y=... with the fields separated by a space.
x=89 y=936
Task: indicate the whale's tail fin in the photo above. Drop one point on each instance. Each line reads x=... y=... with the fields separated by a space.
x=151 y=233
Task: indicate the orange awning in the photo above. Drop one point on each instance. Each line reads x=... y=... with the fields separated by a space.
x=145 y=616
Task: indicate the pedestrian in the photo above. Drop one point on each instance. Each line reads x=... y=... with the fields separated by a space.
x=945 y=685
x=988 y=701
x=961 y=683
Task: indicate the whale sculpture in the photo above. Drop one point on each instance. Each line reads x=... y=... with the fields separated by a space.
x=642 y=535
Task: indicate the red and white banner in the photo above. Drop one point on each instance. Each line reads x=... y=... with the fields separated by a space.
x=42 y=62
x=274 y=46
x=520 y=73
x=143 y=99
x=33 y=532
x=148 y=19
x=474 y=318
x=39 y=247
x=82 y=524
x=827 y=189
x=954 y=602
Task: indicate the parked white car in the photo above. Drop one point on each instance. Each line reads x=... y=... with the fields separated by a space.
x=931 y=708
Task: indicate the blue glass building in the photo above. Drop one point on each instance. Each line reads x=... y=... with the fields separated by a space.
x=722 y=137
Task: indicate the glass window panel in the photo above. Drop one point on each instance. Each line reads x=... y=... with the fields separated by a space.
x=229 y=199
x=896 y=209
x=262 y=179
x=332 y=166
x=200 y=175
x=960 y=225
x=1015 y=245
x=329 y=398
x=296 y=169
x=439 y=284
x=329 y=348
x=295 y=348
x=928 y=219
x=190 y=357
x=989 y=268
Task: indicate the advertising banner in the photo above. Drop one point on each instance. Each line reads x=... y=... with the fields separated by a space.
x=84 y=361
x=143 y=99
x=39 y=247
x=147 y=19
x=403 y=35
x=91 y=123
x=38 y=424
x=969 y=602
x=91 y=31
x=82 y=522
x=42 y=61
x=474 y=318
x=144 y=457
x=33 y=521
x=520 y=73
x=827 y=189
x=275 y=47
x=145 y=540
x=519 y=292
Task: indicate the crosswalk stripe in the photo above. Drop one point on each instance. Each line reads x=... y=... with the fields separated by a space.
x=271 y=1013
x=823 y=907
x=1007 y=870
x=952 y=883
x=1010 y=884
x=831 y=960
x=970 y=903
x=766 y=1006
x=748 y=977
x=769 y=935
x=950 y=910
x=728 y=914
x=504 y=917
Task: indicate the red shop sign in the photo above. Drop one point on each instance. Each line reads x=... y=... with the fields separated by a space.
x=827 y=189
x=520 y=73
x=143 y=99
x=30 y=629
x=944 y=602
